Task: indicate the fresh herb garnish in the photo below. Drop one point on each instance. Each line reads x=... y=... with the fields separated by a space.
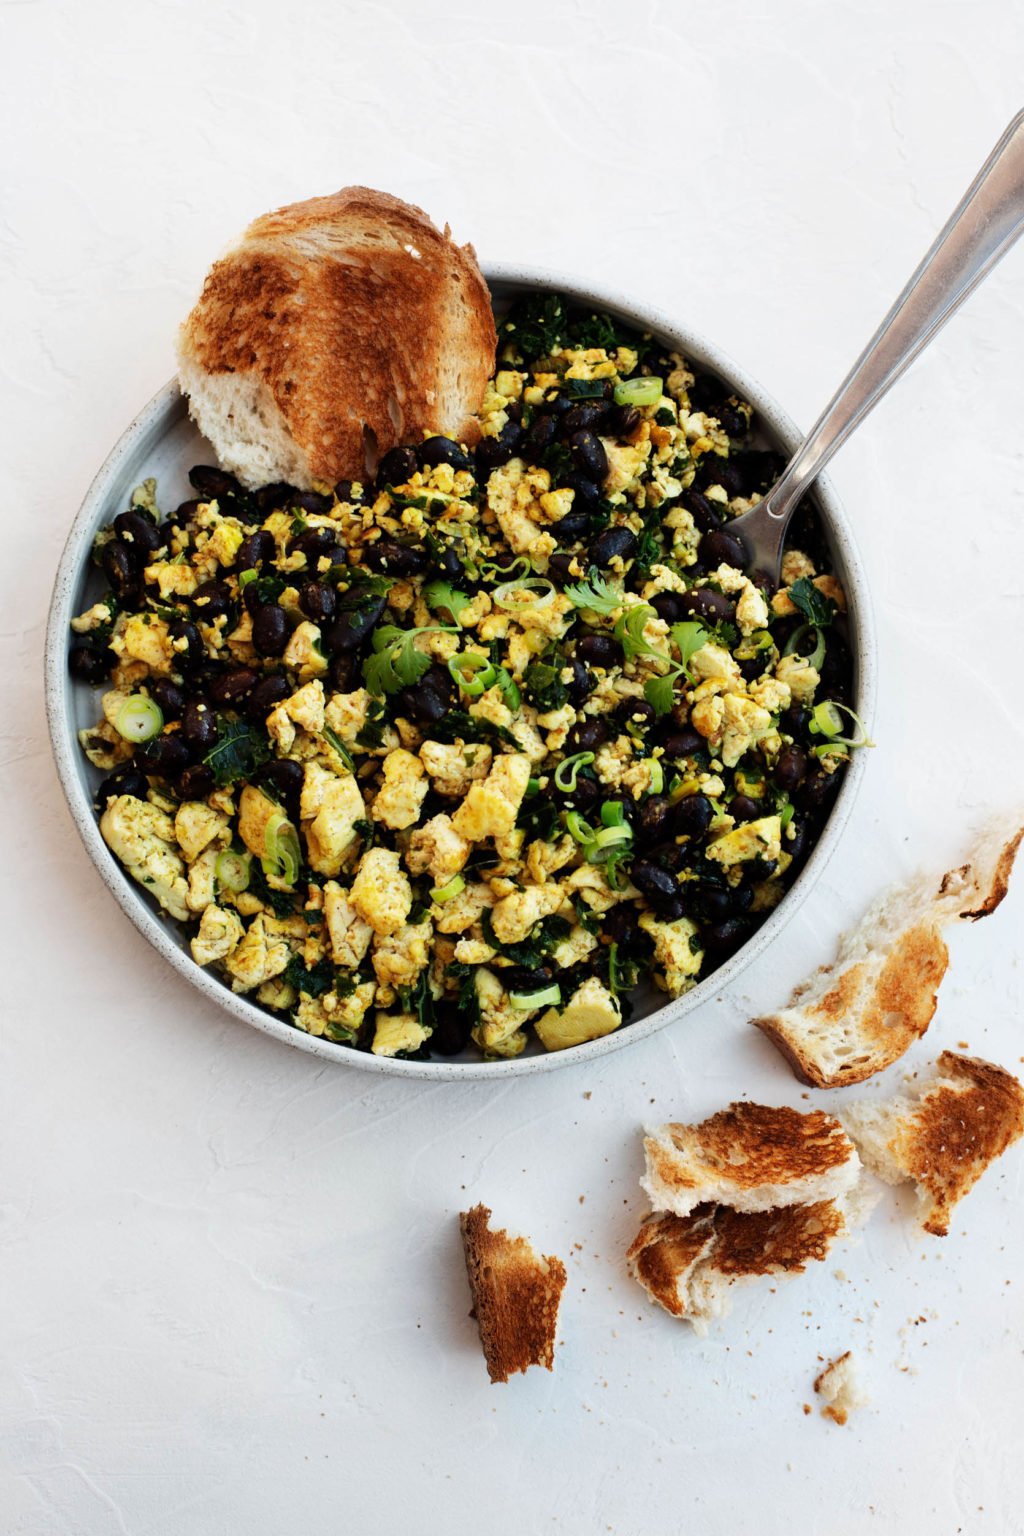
x=440 y=594
x=396 y=663
x=595 y=593
x=816 y=608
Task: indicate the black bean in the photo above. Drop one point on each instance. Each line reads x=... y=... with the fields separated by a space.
x=199 y=725
x=318 y=603
x=282 y=775
x=521 y=978
x=683 y=742
x=559 y=568
x=126 y=780
x=668 y=908
x=280 y=494
x=795 y=720
x=588 y=455
x=586 y=737
x=613 y=543
x=90 y=664
x=587 y=416
x=343 y=672
x=705 y=603
x=397 y=466
x=270 y=629
x=184 y=513
x=654 y=819
x=561 y=405
x=317 y=502
x=586 y=493
x=692 y=816
x=122 y=564
x=732 y=421
x=165 y=755
x=668 y=607
x=137 y=529
x=706 y=393
x=728 y=473
x=817 y=790
x=447 y=563
x=796 y=846
x=705 y=516
x=354 y=625
x=761 y=469
x=582 y=684
x=723 y=547
x=514 y=411
x=585 y=796
x=790 y=767
x=255 y=550
x=744 y=808
x=600 y=651
x=653 y=880
x=442 y=450
x=713 y=905
x=491 y=453
x=570 y=528
x=234 y=685
x=212 y=482
x=541 y=435
x=431 y=698
x=395 y=559
x=622 y=421
x=193 y=653
x=451 y=1030
x=267 y=693
x=622 y=926
x=210 y=601
x=723 y=939
x=313 y=543
x=636 y=714
x=752 y=667
x=170 y=697
x=195 y=782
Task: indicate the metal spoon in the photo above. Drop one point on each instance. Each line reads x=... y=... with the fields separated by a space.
x=987 y=221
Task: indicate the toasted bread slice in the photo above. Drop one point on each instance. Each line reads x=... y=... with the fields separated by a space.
x=689 y=1264
x=751 y=1157
x=336 y=325
x=858 y=1015
x=516 y=1293
x=839 y=1388
x=942 y=1134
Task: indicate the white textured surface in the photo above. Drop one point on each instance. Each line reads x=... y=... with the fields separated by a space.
x=232 y=1287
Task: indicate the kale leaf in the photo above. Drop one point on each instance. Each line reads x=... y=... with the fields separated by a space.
x=238 y=751
x=814 y=605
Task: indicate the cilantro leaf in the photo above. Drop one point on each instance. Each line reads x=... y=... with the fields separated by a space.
x=396 y=663
x=814 y=605
x=237 y=752
x=688 y=638
x=440 y=594
x=596 y=594
x=629 y=632
x=660 y=693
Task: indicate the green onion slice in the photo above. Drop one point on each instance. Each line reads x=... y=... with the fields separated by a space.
x=613 y=872
x=793 y=645
x=518 y=596
x=568 y=769
x=244 y=578
x=473 y=673
x=139 y=718
x=657 y=783
x=231 y=871
x=606 y=841
x=283 y=858
x=827 y=720
x=578 y=829
x=542 y=999
x=443 y=893
x=518 y=567
x=642 y=391
x=613 y=813
x=786 y=815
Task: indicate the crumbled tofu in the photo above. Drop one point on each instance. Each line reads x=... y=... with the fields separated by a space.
x=303 y=653
x=404 y=789
x=380 y=893
x=799 y=676
x=396 y=1032
x=349 y=935
x=463 y=910
x=574 y=948
x=500 y=1031
x=220 y=931
x=197 y=825
x=437 y=847
x=332 y=831
x=453 y=767
x=515 y=915
x=513 y=495
x=491 y=807
x=146 y=638
x=592 y=1011
x=255 y=813
x=399 y=957
x=676 y=950
x=142 y=837
x=346 y=714
x=264 y=951
x=760 y=839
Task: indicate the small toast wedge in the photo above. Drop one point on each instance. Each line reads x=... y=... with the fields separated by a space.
x=516 y=1294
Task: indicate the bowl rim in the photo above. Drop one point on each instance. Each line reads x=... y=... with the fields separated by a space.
x=168 y=404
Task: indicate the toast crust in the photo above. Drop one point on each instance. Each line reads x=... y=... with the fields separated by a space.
x=516 y=1295
x=347 y=310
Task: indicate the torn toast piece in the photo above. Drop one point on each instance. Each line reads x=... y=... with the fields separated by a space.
x=839 y=1388
x=942 y=1133
x=752 y=1157
x=516 y=1293
x=689 y=1264
x=859 y=1014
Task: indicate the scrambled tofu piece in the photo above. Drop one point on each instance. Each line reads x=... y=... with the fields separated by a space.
x=396 y=1032
x=437 y=847
x=544 y=859
x=463 y=910
x=172 y=580
x=575 y=947
x=474 y=952
x=303 y=653
x=590 y=882
x=349 y=935
x=771 y=694
x=93 y=618
x=399 y=957
x=676 y=950
x=744 y=722
x=500 y=1030
x=760 y=839
x=592 y=1011
x=714 y=661
x=625 y=465
x=751 y=607
x=197 y=825
x=255 y=813
x=796 y=564
x=220 y=931
x=264 y=951
x=305 y=708
x=454 y=767
x=337 y=804
x=380 y=893
x=331 y=1016
x=491 y=807
x=142 y=837
x=146 y=638
x=202 y=881
x=346 y=714
x=799 y=676
x=515 y=915
x=403 y=792
x=513 y=495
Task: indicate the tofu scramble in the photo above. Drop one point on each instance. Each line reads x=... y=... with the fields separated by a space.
x=453 y=758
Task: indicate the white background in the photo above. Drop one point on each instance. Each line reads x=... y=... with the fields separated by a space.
x=231 y=1288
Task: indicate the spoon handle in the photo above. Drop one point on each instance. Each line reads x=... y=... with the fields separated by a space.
x=985 y=223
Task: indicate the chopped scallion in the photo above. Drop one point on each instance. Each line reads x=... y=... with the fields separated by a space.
x=231 y=871
x=473 y=673
x=568 y=769
x=638 y=392
x=139 y=718
x=443 y=893
x=543 y=999
x=283 y=858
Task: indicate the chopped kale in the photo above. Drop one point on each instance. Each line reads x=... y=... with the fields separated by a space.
x=238 y=751
x=544 y=686
x=532 y=952
x=535 y=325
x=314 y=980
x=458 y=725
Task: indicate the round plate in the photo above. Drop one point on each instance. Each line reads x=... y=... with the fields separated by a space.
x=162 y=442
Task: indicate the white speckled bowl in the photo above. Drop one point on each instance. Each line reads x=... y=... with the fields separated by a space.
x=161 y=441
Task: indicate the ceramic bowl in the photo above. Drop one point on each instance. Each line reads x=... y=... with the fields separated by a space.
x=162 y=441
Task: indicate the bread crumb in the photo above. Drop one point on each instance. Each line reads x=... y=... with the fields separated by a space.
x=838 y=1385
